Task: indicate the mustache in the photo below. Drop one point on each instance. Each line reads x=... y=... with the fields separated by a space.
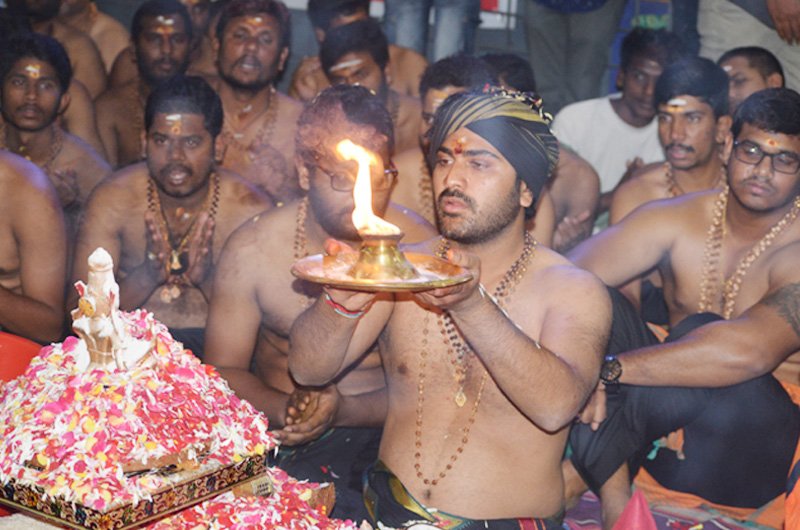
x=175 y=167
x=248 y=58
x=682 y=146
x=30 y=106
x=457 y=195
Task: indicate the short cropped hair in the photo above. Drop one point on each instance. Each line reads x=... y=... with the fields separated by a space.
x=358 y=104
x=459 y=70
x=513 y=69
x=757 y=57
x=698 y=77
x=659 y=45
x=186 y=94
x=323 y=12
x=776 y=110
x=241 y=8
x=41 y=47
x=360 y=36
x=156 y=8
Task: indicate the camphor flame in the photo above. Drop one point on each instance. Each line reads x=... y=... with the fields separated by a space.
x=364 y=219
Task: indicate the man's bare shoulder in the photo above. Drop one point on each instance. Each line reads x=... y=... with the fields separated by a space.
x=564 y=283
x=290 y=107
x=235 y=188
x=114 y=99
x=107 y=27
x=123 y=185
x=646 y=184
x=71 y=38
x=413 y=225
x=406 y=57
x=19 y=177
x=77 y=151
x=264 y=236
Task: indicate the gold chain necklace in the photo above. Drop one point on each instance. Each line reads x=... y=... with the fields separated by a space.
x=52 y=153
x=710 y=281
x=264 y=134
x=675 y=190
x=460 y=355
x=176 y=264
x=425 y=189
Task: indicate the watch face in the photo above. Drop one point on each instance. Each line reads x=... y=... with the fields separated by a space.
x=611 y=370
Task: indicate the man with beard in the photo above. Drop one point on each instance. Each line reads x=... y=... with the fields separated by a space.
x=36 y=73
x=693 y=121
x=84 y=56
x=729 y=253
x=108 y=34
x=164 y=221
x=252 y=47
x=405 y=65
x=506 y=352
x=617 y=134
x=33 y=252
x=358 y=54
x=256 y=299
x=162 y=32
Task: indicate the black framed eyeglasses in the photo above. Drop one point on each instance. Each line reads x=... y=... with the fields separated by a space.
x=751 y=153
x=341 y=181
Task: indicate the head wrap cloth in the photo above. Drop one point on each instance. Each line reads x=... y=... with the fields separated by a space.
x=513 y=123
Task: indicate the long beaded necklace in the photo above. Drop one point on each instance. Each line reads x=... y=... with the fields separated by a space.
x=675 y=190
x=710 y=281
x=176 y=263
x=52 y=153
x=263 y=136
x=461 y=355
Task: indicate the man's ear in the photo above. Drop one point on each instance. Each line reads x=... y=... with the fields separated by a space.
x=723 y=128
x=319 y=33
x=774 y=80
x=620 y=80
x=526 y=196
x=220 y=146
x=727 y=147
x=282 y=60
x=66 y=99
x=303 y=176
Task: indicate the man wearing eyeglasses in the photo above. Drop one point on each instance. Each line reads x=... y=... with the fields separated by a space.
x=728 y=255
x=334 y=431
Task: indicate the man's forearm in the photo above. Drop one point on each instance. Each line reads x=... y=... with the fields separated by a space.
x=22 y=315
x=318 y=344
x=268 y=400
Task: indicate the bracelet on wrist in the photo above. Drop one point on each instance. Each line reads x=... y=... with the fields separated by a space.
x=342 y=310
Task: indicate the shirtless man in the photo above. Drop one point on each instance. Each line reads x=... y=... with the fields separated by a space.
x=405 y=65
x=108 y=34
x=35 y=73
x=693 y=121
x=202 y=58
x=86 y=61
x=732 y=252
x=358 y=53
x=164 y=221
x=161 y=33
x=455 y=389
x=256 y=299
x=33 y=252
x=252 y=46
x=750 y=69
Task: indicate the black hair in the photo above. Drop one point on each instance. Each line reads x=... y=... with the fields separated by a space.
x=459 y=70
x=359 y=105
x=698 y=77
x=775 y=110
x=757 y=57
x=512 y=70
x=273 y=8
x=155 y=8
x=42 y=47
x=323 y=12
x=13 y=24
x=360 y=36
x=186 y=94
x=659 y=45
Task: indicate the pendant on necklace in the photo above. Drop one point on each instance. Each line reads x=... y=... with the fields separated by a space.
x=460 y=398
x=175 y=263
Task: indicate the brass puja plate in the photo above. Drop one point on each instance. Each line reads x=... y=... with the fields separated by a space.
x=433 y=273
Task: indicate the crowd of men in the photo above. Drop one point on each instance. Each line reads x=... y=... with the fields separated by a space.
x=175 y=152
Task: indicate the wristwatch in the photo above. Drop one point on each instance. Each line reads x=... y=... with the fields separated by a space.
x=610 y=370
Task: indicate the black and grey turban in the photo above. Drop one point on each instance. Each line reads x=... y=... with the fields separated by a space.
x=513 y=122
